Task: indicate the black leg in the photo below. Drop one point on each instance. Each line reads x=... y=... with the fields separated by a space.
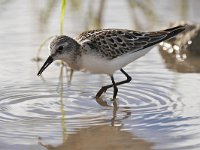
x=104 y=88
x=114 y=87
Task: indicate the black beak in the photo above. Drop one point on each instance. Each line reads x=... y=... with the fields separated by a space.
x=46 y=64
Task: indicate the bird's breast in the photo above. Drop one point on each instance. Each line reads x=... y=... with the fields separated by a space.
x=97 y=64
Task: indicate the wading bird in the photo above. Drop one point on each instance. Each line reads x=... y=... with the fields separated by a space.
x=105 y=51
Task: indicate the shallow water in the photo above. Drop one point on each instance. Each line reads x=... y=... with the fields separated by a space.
x=159 y=109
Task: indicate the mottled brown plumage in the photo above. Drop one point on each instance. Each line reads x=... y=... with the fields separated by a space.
x=111 y=43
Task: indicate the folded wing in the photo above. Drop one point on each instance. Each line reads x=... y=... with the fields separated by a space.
x=112 y=43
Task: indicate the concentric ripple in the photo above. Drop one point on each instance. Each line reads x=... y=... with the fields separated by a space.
x=158 y=108
x=30 y=112
x=147 y=106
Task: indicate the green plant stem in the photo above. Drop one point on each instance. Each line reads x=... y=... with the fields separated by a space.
x=63 y=8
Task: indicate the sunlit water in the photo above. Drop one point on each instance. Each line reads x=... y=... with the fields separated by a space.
x=159 y=109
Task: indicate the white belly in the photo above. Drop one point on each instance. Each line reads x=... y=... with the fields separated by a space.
x=99 y=65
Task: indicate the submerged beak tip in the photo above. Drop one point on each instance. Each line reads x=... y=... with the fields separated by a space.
x=39 y=73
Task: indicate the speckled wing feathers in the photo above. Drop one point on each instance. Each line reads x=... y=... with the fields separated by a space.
x=112 y=43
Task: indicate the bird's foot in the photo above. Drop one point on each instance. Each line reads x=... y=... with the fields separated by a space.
x=101 y=91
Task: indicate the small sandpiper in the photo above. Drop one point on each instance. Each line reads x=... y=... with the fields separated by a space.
x=105 y=51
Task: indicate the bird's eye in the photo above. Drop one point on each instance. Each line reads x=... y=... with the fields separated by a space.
x=60 y=48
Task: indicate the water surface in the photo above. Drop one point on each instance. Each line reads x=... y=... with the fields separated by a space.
x=159 y=109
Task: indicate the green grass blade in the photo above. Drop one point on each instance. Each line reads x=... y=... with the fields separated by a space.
x=63 y=8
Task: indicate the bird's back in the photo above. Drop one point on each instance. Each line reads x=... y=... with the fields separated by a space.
x=112 y=43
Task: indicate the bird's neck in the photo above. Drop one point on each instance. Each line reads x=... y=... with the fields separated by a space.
x=74 y=60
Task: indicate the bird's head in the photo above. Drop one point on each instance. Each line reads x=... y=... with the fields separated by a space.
x=61 y=48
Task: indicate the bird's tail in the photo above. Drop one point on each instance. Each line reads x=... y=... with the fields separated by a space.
x=171 y=32
x=159 y=36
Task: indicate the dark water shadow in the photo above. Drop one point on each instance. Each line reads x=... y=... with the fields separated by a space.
x=189 y=65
